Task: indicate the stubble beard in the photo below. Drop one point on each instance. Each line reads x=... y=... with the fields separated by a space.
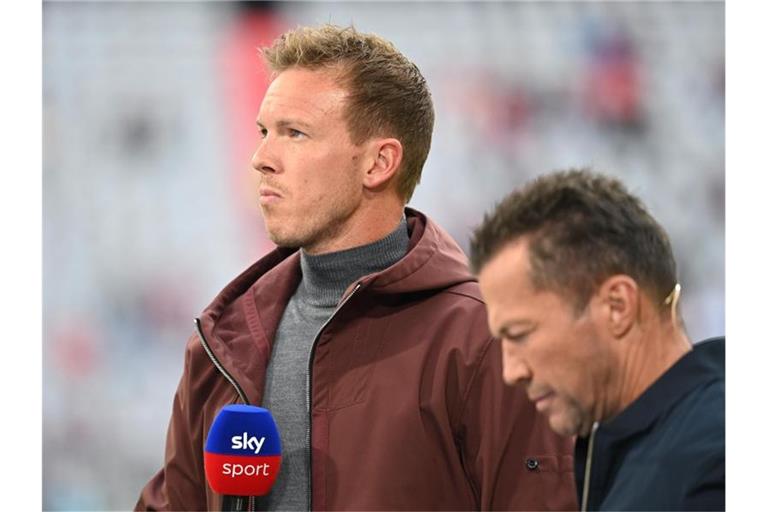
x=572 y=419
x=310 y=231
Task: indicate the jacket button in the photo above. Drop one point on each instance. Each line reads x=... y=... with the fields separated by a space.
x=531 y=464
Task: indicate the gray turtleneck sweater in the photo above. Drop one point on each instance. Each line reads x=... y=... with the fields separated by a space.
x=324 y=279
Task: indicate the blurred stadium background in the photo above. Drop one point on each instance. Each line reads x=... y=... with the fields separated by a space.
x=149 y=206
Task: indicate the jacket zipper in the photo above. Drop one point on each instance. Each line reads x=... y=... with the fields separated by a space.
x=218 y=365
x=309 y=387
x=588 y=469
x=240 y=393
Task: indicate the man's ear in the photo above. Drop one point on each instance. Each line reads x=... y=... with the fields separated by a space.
x=387 y=154
x=619 y=303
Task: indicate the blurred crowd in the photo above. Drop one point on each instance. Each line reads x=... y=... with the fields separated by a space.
x=149 y=205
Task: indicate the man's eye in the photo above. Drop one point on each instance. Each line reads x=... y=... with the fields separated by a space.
x=295 y=134
x=263 y=132
x=516 y=338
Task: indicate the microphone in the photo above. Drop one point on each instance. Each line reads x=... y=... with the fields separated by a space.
x=242 y=454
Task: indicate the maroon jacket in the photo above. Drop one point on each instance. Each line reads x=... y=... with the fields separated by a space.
x=409 y=411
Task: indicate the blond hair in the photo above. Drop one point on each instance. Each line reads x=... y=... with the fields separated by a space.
x=387 y=94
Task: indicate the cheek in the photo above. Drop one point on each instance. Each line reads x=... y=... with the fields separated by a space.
x=577 y=366
x=565 y=360
x=332 y=172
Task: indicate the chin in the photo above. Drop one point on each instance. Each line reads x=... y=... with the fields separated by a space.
x=284 y=241
x=277 y=232
x=287 y=239
x=565 y=424
x=563 y=430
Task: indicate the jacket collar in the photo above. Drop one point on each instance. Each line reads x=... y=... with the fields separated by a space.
x=697 y=367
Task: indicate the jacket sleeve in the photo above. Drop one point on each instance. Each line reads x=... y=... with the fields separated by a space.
x=178 y=484
x=513 y=460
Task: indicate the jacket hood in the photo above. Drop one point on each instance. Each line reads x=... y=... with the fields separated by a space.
x=434 y=261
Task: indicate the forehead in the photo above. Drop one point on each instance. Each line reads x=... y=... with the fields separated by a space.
x=507 y=270
x=310 y=94
x=507 y=289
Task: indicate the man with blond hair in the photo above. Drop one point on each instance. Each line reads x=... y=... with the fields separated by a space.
x=363 y=332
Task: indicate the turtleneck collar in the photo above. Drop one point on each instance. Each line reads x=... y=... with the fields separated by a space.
x=326 y=276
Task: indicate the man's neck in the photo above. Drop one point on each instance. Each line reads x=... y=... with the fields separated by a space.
x=653 y=351
x=326 y=276
x=371 y=222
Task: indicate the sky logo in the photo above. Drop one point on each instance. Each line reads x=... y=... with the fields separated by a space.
x=247 y=443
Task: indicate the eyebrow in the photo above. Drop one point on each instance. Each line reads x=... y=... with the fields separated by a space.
x=283 y=123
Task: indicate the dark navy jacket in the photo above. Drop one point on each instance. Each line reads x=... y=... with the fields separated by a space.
x=666 y=451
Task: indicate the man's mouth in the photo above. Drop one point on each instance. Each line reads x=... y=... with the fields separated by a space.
x=541 y=401
x=268 y=192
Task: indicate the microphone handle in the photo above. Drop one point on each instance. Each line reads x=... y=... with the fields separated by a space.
x=235 y=503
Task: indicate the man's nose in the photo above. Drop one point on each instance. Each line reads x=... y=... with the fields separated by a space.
x=264 y=158
x=515 y=369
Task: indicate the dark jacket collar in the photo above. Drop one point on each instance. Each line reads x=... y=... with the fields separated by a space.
x=702 y=364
